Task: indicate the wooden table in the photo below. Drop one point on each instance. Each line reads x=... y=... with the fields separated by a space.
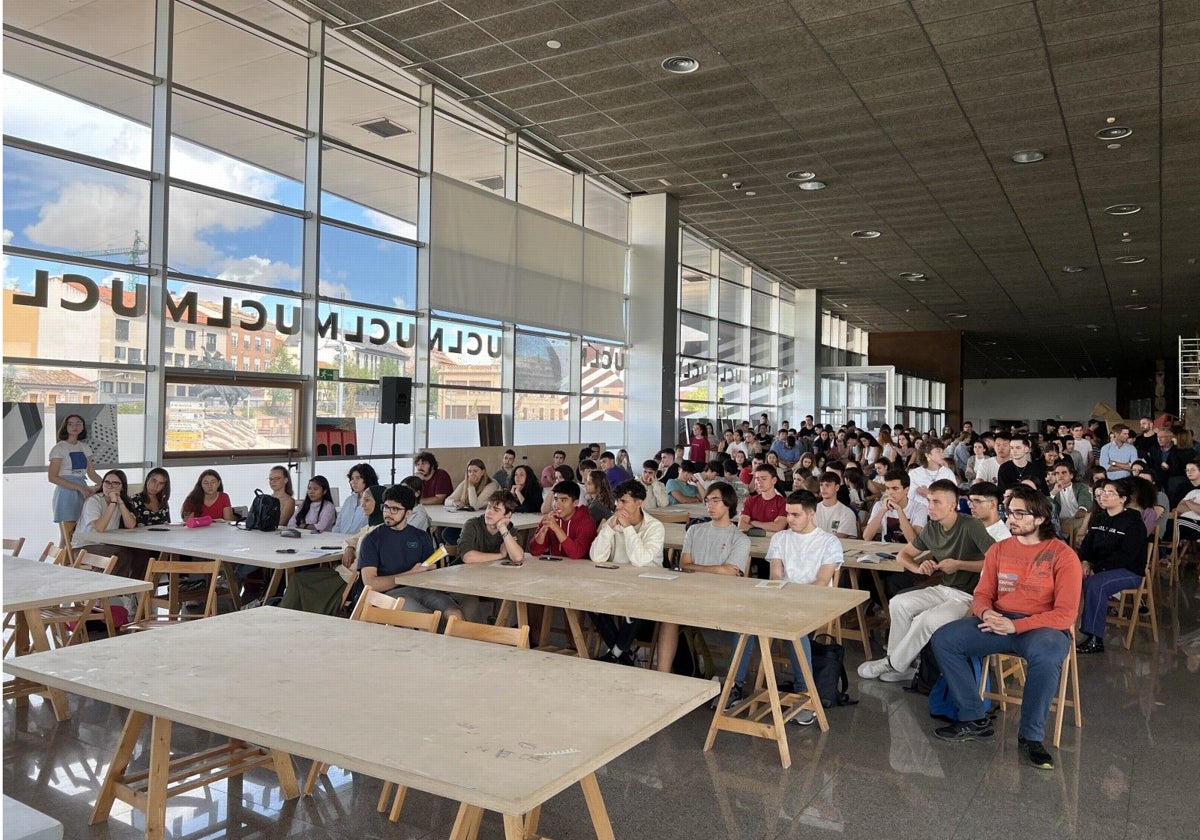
x=443 y=517
x=678 y=513
x=229 y=544
x=30 y=586
x=510 y=754
x=736 y=605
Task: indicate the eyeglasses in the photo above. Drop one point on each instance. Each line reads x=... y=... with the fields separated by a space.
x=393 y=508
x=1019 y=514
x=112 y=483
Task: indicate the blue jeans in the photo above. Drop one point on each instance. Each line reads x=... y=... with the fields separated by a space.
x=1043 y=650
x=1096 y=590
x=752 y=645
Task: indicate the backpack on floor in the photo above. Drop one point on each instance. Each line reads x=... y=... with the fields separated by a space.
x=941 y=702
x=928 y=672
x=829 y=672
x=263 y=514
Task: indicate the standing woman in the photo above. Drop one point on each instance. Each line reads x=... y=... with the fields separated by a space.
x=1114 y=558
x=527 y=489
x=150 y=506
x=316 y=512
x=106 y=511
x=70 y=468
x=208 y=498
x=280 y=482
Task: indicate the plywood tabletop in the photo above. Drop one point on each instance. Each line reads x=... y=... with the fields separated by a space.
x=224 y=541
x=443 y=517
x=29 y=584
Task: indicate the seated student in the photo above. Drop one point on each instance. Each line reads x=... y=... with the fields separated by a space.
x=437 y=484
x=473 y=491
x=504 y=476
x=766 y=512
x=896 y=517
x=396 y=550
x=491 y=537
x=549 y=475
x=1114 y=558
x=984 y=500
x=708 y=474
x=317 y=512
x=787 y=449
x=280 y=482
x=208 y=498
x=667 y=468
x=585 y=469
x=567 y=530
x=714 y=547
x=527 y=490
x=628 y=537
x=151 y=505
x=732 y=474
x=801 y=553
x=1025 y=603
x=600 y=501
x=932 y=468
x=371 y=504
x=565 y=473
x=831 y=515
x=614 y=474
x=109 y=510
x=656 y=491
x=683 y=489
x=1188 y=520
x=418 y=517
x=1071 y=500
x=350 y=519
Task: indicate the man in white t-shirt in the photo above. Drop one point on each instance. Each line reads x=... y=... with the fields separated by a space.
x=801 y=553
x=989 y=468
x=984 y=499
x=832 y=515
x=934 y=469
x=897 y=517
x=1083 y=446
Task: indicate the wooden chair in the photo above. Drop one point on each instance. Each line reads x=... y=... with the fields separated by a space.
x=1004 y=666
x=47 y=552
x=376 y=608
x=1130 y=600
x=164 y=576
x=66 y=530
x=14 y=547
x=1179 y=545
x=512 y=636
x=67 y=624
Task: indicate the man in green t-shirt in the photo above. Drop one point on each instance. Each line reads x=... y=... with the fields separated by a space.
x=955 y=545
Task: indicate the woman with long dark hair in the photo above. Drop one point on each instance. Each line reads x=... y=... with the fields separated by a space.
x=151 y=505
x=70 y=468
x=316 y=512
x=109 y=510
x=527 y=489
x=208 y=498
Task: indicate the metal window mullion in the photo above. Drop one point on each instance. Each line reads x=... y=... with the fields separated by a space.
x=78 y=157
x=310 y=270
x=421 y=408
x=77 y=54
x=508 y=377
x=249 y=201
x=575 y=428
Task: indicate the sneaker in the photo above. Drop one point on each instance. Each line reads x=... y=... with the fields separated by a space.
x=193 y=584
x=874 y=669
x=735 y=696
x=627 y=658
x=899 y=676
x=1036 y=753
x=1093 y=644
x=966 y=730
x=249 y=605
x=806 y=717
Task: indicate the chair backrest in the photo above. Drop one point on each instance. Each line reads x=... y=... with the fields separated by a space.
x=157 y=569
x=376 y=608
x=95 y=562
x=512 y=636
x=47 y=552
x=14 y=547
x=67 y=531
x=64 y=557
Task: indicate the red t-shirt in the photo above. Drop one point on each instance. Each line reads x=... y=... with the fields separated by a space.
x=216 y=510
x=763 y=510
x=438 y=484
x=698 y=453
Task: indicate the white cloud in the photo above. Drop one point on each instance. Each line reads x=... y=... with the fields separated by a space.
x=8 y=235
x=260 y=271
x=390 y=224
x=91 y=216
x=336 y=290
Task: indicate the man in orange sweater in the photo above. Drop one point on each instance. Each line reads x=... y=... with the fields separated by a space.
x=1025 y=602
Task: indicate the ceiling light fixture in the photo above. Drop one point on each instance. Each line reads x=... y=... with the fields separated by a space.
x=956 y=314
x=1136 y=307
x=383 y=127
x=1114 y=132
x=800 y=175
x=1123 y=209
x=912 y=276
x=751 y=192
x=1073 y=269
x=866 y=234
x=1028 y=156
x=811 y=186
x=1114 y=146
x=1129 y=260
x=680 y=64
x=553 y=44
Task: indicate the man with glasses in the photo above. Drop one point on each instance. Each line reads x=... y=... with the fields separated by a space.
x=715 y=547
x=956 y=545
x=984 y=500
x=1025 y=604
x=392 y=552
x=568 y=529
x=1071 y=500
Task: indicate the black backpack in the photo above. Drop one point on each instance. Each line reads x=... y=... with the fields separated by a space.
x=263 y=514
x=829 y=672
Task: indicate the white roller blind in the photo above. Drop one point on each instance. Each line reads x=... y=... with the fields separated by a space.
x=493 y=258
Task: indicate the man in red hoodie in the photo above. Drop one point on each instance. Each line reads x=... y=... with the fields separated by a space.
x=567 y=530
x=1025 y=603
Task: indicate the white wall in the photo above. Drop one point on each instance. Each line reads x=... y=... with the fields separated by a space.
x=1034 y=400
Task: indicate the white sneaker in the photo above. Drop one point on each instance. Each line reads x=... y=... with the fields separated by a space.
x=875 y=669
x=806 y=717
x=899 y=676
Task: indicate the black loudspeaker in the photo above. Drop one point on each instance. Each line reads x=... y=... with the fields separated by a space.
x=395 y=399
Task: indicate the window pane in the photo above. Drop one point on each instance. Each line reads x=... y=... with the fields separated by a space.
x=694 y=253
x=364 y=343
x=695 y=335
x=787 y=318
x=731 y=269
x=867 y=390
x=468 y=156
x=464 y=356
x=234 y=415
x=453 y=414
x=38 y=324
x=226 y=240
x=733 y=302
x=115 y=29
x=762 y=348
x=336 y=49
x=603 y=369
x=761 y=382
x=762 y=283
x=543 y=363
x=731 y=391
x=602 y=420
x=56 y=205
x=366 y=117
x=368 y=193
x=367 y=269
x=695 y=394
x=197 y=313
x=604 y=212
x=544 y=186
x=539 y=418
x=762 y=311
x=695 y=292
x=121 y=136
x=731 y=341
x=787 y=354
x=833 y=390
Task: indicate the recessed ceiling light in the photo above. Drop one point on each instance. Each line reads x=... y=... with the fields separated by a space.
x=751 y=192
x=1123 y=209
x=800 y=175
x=1028 y=156
x=1073 y=269
x=810 y=186
x=956 y=314
x=1136 y=307
x=1114 y=132
x=840 y=260
x=553 y=44
x=1114 y=146
x=866 y=234
x=383 y=127
x=912 y=276
x=1129 y=260
x=680 y=64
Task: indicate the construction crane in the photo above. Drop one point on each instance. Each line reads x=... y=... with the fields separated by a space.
x=134 y=253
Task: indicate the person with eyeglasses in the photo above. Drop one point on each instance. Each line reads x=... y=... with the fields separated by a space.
x=1072 y=500
x=984 y=500
x=109 y=510
x=396 y=550
x=1114 y=558
x=715 y=547
x=1025 y=604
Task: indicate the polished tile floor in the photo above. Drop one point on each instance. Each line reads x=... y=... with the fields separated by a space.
x=1131 y=772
